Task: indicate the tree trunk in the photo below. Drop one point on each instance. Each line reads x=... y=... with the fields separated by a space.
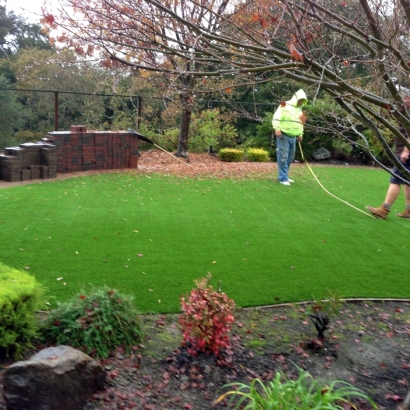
x=182 y=150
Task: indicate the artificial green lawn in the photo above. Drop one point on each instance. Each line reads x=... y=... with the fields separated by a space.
x=151 y=236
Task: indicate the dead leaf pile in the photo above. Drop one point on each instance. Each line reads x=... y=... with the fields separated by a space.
x=203 y=165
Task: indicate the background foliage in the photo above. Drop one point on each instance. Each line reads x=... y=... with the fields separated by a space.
x=237 y=116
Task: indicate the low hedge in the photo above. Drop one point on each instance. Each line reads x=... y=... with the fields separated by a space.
x=257 y=155
x=231 y=155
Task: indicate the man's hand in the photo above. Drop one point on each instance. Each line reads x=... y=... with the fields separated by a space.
x=278 y=133
x=300 y=138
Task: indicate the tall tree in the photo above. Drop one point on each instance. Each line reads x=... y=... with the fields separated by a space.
x=45 y=70
x=12 y=114
x=16 y=33
x=300 y=39
x=141 y=35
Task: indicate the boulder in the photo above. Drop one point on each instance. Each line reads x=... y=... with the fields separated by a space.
x=321 y=153
x=55 y=378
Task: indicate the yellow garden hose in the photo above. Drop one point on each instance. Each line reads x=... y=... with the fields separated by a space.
x=334 y=196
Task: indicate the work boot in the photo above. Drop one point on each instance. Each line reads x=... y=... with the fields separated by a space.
x=380 y=212
x=404 y=214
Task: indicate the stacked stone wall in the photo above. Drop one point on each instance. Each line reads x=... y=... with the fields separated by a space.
x=82 y=150
x=29 y=161
x=69 y=151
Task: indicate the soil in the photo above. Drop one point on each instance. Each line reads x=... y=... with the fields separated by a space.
x=367 y=343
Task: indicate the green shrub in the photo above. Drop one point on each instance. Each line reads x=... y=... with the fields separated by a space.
x=284 y=393
x=257 y=155
x=231 y=155
x=211 y=128
x=207 y=128
x=97 y=322
x=20 y=297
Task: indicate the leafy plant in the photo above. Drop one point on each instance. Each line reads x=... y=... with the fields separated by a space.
x=207 y=319
x=231 y=155
x=283 y=393
x=320 y=321
x=97 y=322
x=323 y=310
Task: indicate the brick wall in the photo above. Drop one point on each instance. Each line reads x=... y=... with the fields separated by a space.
x=70 y=151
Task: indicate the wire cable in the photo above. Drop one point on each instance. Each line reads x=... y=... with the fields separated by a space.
x=334 y=196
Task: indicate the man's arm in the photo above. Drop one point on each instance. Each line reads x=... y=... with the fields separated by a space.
x=276 y=121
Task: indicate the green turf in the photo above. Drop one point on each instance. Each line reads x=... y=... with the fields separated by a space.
x=267 y=243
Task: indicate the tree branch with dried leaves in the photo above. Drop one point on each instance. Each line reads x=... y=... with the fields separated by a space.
x=357 y=52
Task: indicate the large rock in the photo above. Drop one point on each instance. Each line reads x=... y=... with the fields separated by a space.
x=321 y=153
x=56 y=378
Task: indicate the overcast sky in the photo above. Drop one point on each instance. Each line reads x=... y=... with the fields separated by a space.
x=31 y=9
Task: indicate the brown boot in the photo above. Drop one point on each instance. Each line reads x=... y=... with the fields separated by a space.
x=404 y=214
x=380 y=212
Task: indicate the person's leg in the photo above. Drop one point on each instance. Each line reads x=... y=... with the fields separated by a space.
x=407 y=194
x=292 y=150
x=282 y=152
x=291 y=154
x=392 y=194
x=406 y=212
x=383 y=210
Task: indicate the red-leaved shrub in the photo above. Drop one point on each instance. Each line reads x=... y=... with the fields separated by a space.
x=207 y=319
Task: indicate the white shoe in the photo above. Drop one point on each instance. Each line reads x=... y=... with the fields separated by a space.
x=285 y=182
x=291 y=180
